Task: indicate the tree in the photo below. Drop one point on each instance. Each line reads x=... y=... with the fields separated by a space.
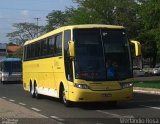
x=24 y=31
x=55 y=19
x=149 y=47
x=114 y=12
x=150 y=34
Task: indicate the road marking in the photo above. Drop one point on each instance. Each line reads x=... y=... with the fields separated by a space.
x=35 y=109
x=57 y=118
x=22 y=103
x=11 y=100
x=4 y=97
x=115 y=115
x=150 y=107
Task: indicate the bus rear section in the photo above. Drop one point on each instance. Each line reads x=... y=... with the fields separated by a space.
x=10 y=70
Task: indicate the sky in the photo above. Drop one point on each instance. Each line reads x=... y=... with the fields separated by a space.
x=17 y=11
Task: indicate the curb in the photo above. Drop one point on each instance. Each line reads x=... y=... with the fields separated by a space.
x=146 y=90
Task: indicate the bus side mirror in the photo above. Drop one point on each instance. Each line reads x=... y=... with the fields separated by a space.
x=71 y=49
x=137 y=48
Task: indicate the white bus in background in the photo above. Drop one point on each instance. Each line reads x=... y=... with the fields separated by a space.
x=3 y=51
x=10 y=70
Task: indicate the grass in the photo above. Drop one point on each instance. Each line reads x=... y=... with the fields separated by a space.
x=148 y=84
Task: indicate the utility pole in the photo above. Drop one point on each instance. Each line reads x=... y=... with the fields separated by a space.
x=37 y=24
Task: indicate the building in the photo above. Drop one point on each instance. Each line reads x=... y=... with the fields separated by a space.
x=12 y=49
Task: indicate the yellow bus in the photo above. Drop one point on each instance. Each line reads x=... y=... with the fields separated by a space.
x=80 y=63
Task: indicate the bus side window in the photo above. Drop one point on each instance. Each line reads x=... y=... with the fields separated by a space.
x=44 y=45
x=28 y=52
x=51 y=41
x=37 y=49
x=58 y=45
x=32 y=50
x=24 y=53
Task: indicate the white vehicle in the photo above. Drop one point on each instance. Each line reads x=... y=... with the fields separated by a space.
x=156 y=70
x=10 y=70
x=137 y=72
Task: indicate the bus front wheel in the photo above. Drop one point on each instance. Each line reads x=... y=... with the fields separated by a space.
x=66 y=102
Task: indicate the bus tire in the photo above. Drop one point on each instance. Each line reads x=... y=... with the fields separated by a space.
x=37 y=95
x=66 y=102
x=32 y=92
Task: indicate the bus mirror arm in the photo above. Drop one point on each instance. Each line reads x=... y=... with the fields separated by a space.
x=137 y=48
x=71 y=49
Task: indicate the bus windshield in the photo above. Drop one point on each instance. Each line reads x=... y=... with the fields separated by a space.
x=102 y=54
x=12 y=66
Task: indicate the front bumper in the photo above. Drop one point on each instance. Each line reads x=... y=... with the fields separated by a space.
x=87 y=95
x=12 y=78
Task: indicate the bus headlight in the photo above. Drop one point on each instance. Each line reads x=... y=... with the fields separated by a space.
x=126 y=84
x=5 y=74
x=81 y=86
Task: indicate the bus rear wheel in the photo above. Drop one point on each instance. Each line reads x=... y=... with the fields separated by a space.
x=32 y=91
x=37 y=95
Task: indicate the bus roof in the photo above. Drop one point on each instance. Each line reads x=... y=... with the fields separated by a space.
x=73 y=27
x=10 y=59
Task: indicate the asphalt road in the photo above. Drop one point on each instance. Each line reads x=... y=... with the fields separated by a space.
x=143 y=106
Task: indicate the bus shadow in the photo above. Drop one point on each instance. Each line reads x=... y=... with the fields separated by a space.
x=121 y=105
x=43 y=97
x=153 y=100
x=144 y=102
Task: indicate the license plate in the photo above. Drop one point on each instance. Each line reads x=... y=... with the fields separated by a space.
x=107 y=94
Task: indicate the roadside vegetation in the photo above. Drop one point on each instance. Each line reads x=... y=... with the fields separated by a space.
x=148 y=84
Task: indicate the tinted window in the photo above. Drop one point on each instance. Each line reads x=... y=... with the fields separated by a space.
x=37 y=49
x=51 y=46
x=68 y=62
x=67 y=37
x=32 y=50
x=16 y=66
x=12 y=66
x=58 y=45
x=28 y=52
x=44 y=45
x=24 y=53
x=102 y=54
x=51 y=41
